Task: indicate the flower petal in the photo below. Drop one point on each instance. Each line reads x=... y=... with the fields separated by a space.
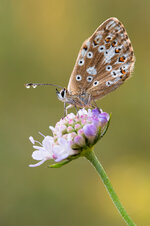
x=79 y=140
x=62 y=141
x=106 y=115
x=103 y=118
x=90 y=130
x=37 y=164
x=82 y=112
x=52 y=128
x=71 y=116
x=37 y=147
x=96 y=111
x=32 y=140
x=47 y=143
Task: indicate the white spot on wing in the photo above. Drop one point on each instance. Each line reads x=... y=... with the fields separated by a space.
x=81 y=62
x=108 y=68
x=83 y=52
x=89 y=78
x=108 y=54
x=88 y=44
x=101 y=48
x=118 y=28
x=91 y=70
x=110 y=25
x=95 y=83
x=98 y=38
x=114 y=73
x=125 y=66
x=109 y=83
x=89 y=55
x=117 y=79
x=78 y=77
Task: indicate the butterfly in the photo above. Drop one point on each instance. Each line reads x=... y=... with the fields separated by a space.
x=105 y=61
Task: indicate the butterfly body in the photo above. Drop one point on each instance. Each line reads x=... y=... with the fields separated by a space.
x=81 y=100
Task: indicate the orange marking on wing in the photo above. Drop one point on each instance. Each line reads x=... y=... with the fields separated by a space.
x=85 y=47
x=122 y=59
x=95 y=43
x=114 y=43
x=123 y=71
x=117 y=50
x=107 y=39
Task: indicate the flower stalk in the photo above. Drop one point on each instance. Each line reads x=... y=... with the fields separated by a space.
x=90 y=155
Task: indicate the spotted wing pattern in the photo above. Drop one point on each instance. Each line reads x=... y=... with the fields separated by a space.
x=104 y=62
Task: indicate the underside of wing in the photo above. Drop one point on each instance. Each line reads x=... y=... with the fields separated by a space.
x=104 y=62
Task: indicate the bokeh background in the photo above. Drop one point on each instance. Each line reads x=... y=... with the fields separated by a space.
x=39 y=42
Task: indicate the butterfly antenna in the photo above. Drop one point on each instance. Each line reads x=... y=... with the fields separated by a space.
x=34 y=85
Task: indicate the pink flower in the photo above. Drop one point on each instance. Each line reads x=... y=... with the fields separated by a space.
x=70 y=135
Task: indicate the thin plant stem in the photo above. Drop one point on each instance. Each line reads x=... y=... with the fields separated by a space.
x=90 y=155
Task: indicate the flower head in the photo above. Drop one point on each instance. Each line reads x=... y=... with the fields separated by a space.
x=71 y=135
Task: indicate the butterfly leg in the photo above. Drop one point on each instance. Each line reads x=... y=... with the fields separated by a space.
x=76 y=108
x=66 y=108
x=95 y=105
x=74 y=104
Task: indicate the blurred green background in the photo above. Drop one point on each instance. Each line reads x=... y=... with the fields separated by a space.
x=39 y=42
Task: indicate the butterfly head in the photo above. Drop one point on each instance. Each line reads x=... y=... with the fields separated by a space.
x=61 y=94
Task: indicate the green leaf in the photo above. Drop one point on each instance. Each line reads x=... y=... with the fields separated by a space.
x=58 y=165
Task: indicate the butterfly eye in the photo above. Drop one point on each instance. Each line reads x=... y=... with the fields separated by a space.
x=89 y=55
x=95 y=83
x=109 y=83
x=81 y=62
x=62 y=93
x=114 y=74
x=108 y=68
x=78 y=77
x=89 y=78
x=101 y=48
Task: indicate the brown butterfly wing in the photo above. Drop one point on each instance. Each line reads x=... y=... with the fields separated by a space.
x=104 y=62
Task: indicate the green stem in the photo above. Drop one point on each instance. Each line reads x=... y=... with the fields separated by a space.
x=95 y=162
